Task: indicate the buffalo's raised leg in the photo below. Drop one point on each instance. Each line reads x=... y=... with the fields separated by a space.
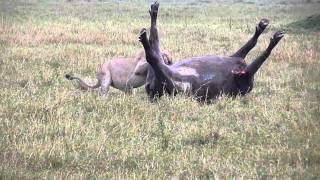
x=154 y=37
x=244 y=50
x=154 y=58
x=161 y=71
x=153 y=87
x=256 y=64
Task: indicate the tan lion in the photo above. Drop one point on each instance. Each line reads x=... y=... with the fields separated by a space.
x=121 y=73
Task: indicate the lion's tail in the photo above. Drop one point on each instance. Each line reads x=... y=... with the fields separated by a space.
x=81 y=83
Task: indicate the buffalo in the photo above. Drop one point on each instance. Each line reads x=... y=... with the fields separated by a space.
x=204 y=77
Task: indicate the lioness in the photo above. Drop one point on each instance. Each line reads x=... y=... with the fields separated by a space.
x=121 y=73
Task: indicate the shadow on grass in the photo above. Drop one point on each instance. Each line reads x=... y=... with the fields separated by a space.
x=311 y=23
x=199 y=140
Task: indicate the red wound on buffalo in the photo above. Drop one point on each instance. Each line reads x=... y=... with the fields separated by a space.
x=240 y=72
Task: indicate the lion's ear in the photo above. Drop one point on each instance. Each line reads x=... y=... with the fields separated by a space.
x=166 y=57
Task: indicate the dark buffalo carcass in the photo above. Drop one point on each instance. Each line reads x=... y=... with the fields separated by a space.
x=204 y=77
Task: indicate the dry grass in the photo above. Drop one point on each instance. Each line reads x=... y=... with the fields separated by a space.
x=49 y=129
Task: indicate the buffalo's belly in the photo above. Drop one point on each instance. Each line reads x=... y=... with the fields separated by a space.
x=209 y=75
x=210 y=59
x=209 y=67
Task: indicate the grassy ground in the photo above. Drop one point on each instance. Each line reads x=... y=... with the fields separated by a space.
x=50 y=129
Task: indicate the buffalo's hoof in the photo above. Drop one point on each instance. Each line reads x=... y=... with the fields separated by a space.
x=143 y=35
x=262 y=25
x=277 y=37
x=154 y=9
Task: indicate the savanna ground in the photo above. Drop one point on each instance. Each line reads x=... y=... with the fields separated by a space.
x=50 y=129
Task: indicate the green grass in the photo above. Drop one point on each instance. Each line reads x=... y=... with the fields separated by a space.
x=50 y=129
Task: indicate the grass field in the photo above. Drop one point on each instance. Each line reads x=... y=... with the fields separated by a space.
x=50 y=129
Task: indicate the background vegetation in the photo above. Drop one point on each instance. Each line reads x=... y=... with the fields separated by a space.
x=50 y=129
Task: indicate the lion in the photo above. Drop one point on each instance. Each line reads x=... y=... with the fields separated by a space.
x=121 y=73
